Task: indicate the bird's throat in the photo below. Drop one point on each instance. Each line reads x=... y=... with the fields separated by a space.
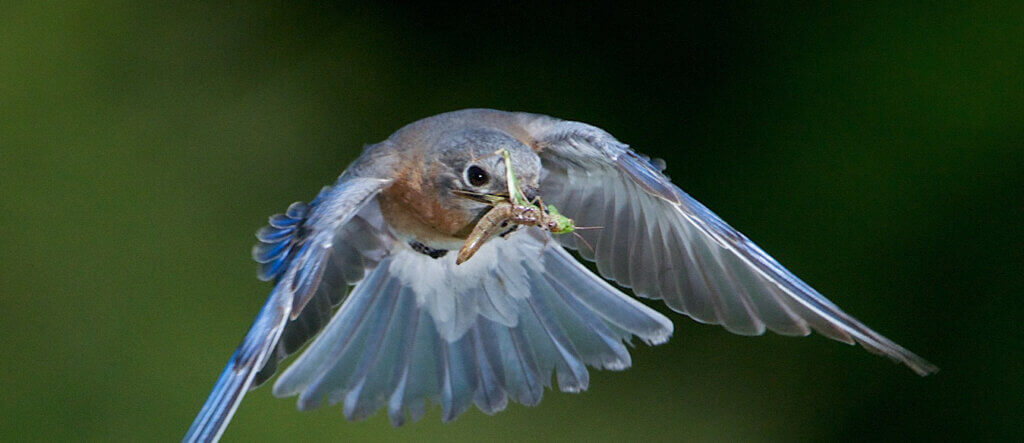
x=411 y=216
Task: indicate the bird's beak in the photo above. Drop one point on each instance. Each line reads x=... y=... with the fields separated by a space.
x=531 y=193
x=489 y=199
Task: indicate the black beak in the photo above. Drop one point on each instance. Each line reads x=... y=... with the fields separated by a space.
x=482 y=198
x=531 y=193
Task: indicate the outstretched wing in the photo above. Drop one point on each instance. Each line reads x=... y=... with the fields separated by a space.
x=295 y=250
x=663 y=244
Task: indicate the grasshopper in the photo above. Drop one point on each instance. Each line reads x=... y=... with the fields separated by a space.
x=513 y=209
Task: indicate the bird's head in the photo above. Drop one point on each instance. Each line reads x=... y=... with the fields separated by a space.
x=474 y=171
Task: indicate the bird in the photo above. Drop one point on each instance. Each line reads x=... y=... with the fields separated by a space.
x=366 y=274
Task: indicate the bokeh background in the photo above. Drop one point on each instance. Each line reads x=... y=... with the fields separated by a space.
x=877 y=151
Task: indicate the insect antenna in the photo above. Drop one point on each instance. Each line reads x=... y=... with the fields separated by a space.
x=585 y=242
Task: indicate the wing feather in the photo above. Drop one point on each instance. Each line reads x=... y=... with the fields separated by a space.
x=386 y=347
x=716 y=275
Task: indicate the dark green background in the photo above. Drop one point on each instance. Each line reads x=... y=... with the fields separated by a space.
x=874 y=150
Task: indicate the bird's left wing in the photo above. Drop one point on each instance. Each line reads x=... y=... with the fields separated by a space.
x=294 y=251
x=664 y=244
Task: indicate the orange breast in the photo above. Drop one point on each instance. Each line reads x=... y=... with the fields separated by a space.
x=412 y=207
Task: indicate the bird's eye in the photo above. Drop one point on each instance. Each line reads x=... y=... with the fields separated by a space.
x=476 y=176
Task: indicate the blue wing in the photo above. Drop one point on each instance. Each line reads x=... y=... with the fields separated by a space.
x=663 y=244
x=294 y=251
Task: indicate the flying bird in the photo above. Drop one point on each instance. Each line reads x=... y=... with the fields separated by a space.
x=368 y=272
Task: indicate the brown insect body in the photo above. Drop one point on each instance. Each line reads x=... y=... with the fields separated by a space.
x=491 y=224
x=497 y=219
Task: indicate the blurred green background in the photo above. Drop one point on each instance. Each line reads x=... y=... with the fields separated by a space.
x=874 y=150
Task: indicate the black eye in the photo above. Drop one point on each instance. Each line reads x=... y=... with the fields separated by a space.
x=476 y=176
